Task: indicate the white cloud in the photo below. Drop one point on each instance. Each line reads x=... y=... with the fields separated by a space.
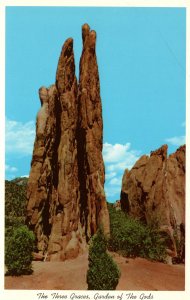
x=117 y=158
x=115 y=153
x=176 y=140
x=112 y=192
x=19 y=137
x=121 y=166
x=110 y=175
x=10 y=169
x=115 y=181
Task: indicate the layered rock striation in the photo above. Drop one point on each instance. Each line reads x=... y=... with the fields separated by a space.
x=153 y=191
x=66 y=199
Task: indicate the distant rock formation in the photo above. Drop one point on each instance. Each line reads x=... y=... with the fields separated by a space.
x=117 y=205
x=153 y=191
x=66 y=199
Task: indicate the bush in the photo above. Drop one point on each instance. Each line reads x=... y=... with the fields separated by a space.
x=131 y=238
x=15 y=205
x=12 y=223
x=18 y=251
x=15 y=198
x=103 y=272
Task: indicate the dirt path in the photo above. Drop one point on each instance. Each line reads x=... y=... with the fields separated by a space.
x=141 y=274
x=136 y=274
x=67 y=275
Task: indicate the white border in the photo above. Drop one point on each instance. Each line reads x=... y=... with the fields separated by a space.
x=102 y=3
x=2 y=142
x=32 y=295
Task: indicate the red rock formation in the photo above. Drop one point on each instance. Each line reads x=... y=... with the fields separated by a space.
x=42 y=183
x=91 y=167
x=66 y=200
x=117 y=205
x=154 y=192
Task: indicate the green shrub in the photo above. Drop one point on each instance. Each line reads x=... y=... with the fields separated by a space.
x=11 y=223
x=15 y=198
x=103 y=272
x=15 y=205
x=131 y=238
x=18 y=251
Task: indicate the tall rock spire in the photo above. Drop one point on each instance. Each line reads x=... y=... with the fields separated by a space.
x=65 y=222
x=66 y=200
x=91 y=167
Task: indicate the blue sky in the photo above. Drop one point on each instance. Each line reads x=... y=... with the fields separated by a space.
x=141 y=58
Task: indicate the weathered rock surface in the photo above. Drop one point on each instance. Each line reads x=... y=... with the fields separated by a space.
x=66 y=199
x=154 y=192
x=117 y=205
x=91 y=167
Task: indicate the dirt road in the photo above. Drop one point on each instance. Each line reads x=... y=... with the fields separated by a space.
x=136 y=274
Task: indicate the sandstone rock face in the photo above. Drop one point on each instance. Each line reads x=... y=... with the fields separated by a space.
x=117 y=205
x=154 y=192
x=91 y=166
x=66 y=199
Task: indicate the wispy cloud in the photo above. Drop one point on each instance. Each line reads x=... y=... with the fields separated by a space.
x=10 y=172
x=115 y=181
x=176 y=140
x=110 y=175
x=115 y=153
x=117 y=157
x=183 y=124
x=112 y=192
x=10 y=169
x=19 y=137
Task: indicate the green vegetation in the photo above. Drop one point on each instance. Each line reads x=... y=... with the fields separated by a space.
x=131 y=238
x=18 y=251
x=15 y=205
x=103 y=273
x=15 y=197
x=179 y=237
x=19 y=241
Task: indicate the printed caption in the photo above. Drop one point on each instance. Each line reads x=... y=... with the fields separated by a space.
x=95 y=296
